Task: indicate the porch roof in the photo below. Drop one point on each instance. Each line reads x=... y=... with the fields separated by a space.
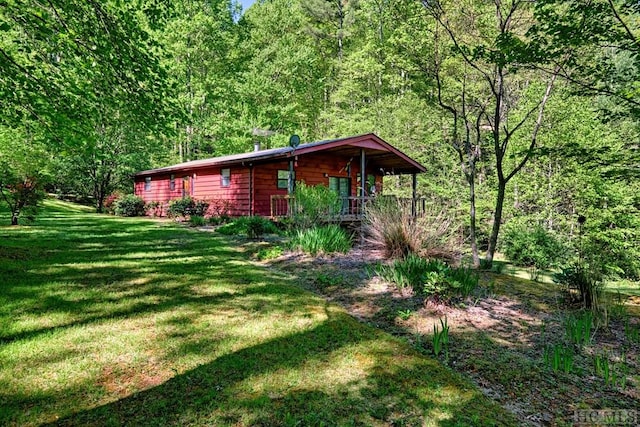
x=379 y=154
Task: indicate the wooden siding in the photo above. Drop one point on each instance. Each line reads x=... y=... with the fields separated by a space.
x=202 y=185
x=160 y=190
x=205 y=183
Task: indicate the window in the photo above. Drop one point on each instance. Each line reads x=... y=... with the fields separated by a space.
x=225 y=177
x=172 y=182
x=283 y=179
x=342 y=186
x=147 y=184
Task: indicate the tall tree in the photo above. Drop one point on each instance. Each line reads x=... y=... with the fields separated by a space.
x=477 y=58
x=24 y=169
x=61 y=61
x=198 y=40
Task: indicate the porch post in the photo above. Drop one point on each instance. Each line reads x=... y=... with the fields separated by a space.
x=290 y=184
x=414 y=187
x=290 y=178
x=251 y=191
x=363 y=180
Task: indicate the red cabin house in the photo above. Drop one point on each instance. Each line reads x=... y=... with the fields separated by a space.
x=258 y=183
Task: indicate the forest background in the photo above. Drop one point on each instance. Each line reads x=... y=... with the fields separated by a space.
x=526 y=114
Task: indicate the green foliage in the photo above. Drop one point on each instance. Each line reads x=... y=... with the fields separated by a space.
x=614 y=374
x=531 y=246
x=272 y=252
x=24 y=170
x=186 y=206
x=450 y=282
x=69 y=62
x=440 y=339
x=256 y=226
x=110 y=202
x=408 y=272
x=586 y=283
x=559 y=357
x=322 y=240
x=404 y=314
x=154 y=208
x=329 y=280
x=22 y=194
x=251 y=226
x=197 y=221
x=199 y=208
x=432 y=278
x=129 y=205
x=180 y=207
x=579 y=328
x=314 y=204
x=631 y=332
x=218 y=220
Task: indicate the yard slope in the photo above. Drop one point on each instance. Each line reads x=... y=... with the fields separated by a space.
x=111 y=321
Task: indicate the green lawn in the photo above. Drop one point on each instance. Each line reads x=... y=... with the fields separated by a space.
x=111 y=321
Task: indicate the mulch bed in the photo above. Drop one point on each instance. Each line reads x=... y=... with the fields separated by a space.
x=497 y=337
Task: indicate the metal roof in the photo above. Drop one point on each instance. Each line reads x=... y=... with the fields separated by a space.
x=285 y=152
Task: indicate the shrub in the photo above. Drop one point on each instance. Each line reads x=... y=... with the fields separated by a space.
x=451 y=282
x=408 y=272
x=129 y=205
x=531 y=246
x=586 y=283
x=389 y=224
x=314 y=204
x=199 y=208
x=180 y=207
x=186 y=206
x=218 y=220
x=197 y=221
x=220 y=208
x=432 y=278
x=322 y=240
x=109 y=202
x=154 y=208
x=251 y=226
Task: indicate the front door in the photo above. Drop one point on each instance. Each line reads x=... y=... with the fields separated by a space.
x=342 y=186
x=186 y=186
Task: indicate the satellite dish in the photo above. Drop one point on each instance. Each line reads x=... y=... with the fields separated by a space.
x=294 y=141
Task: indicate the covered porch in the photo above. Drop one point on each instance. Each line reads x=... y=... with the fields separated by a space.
x=363 y=163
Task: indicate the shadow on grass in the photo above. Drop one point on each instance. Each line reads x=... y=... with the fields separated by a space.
x=109 y=268
x=232 y=390
x=76 y=270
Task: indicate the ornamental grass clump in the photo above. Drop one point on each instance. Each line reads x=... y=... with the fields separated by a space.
x=322 y=240
x=390 y=224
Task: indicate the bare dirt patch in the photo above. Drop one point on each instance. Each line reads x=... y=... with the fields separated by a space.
x=498 y=336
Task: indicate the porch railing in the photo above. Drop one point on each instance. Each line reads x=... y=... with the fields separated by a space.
x=352 y=208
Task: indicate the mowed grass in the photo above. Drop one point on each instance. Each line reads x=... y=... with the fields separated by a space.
x=113 y=321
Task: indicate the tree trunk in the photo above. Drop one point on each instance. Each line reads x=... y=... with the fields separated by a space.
x=472 y=217
x=14 y=217
x=497 y=220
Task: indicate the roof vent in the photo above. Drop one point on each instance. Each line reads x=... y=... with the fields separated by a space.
x=256 y=146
